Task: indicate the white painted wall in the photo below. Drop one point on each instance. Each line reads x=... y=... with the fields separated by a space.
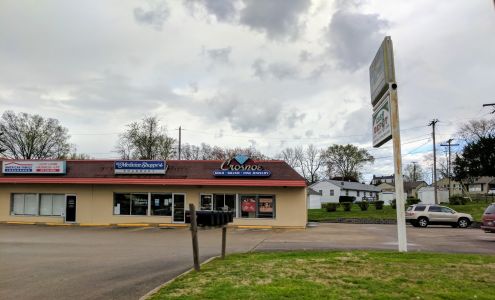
x=387 y=197
x=427 y=195
x=325 y=187
x=314 y=201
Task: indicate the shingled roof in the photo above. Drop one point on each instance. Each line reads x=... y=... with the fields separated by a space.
x=179 y=172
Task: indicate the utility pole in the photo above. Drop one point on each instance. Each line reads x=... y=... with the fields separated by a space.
x=414 y=171
x=449 y=144
x=432 y=124
x=180 y=137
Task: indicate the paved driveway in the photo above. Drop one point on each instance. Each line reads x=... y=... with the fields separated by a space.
x=39 y=262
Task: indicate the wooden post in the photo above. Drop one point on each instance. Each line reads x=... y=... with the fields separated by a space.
x=194 y=235
x=224 y=240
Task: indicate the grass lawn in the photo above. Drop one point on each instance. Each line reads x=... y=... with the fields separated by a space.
x=339 y=275
x=475 y=209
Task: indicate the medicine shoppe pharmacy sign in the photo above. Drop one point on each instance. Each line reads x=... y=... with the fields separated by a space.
x=382 y=128
x=33 y=167
x=241 y=166
x=140 y=167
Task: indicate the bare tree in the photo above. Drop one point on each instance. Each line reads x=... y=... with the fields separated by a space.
x=146 y=139
x=414 y=172
x=310 y=161
x=26 y=136
x=289 y=156
x=476 y=129
x=346 y=161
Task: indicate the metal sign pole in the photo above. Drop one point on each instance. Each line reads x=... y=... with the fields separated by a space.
x=399 y=182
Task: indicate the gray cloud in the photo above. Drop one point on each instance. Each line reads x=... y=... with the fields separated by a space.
x=154 y=16
x=222 y=10
x=277 y=70
x=277 y=18
x=219 y=55
x=293 y=118
x=354 y=37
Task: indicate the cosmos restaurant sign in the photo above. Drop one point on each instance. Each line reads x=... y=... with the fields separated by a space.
x=33 y=167
x=241 y=166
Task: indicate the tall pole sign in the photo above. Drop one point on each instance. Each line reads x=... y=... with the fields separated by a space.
x=385 y=118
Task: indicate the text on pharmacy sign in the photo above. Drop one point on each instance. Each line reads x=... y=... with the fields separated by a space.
x=140 y=167
x=241 y=166
x=33 y=167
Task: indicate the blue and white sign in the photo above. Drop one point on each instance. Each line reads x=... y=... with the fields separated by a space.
x=228 y=173
x=241 y=166
x=140 y=167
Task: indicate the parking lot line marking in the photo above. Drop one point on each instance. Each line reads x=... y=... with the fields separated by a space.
x=173 y=225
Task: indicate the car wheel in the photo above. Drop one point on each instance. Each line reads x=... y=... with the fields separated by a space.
x=422 y=222
x=463 y=223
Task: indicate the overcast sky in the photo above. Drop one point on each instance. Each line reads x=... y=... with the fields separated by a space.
x=271 y=74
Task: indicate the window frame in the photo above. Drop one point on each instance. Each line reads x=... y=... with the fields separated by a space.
x=38 y=204
x=257 y=196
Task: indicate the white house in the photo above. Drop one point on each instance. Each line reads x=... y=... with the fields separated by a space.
x=329 y=191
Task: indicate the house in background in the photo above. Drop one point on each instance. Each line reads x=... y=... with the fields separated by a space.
x=382 y=179
x=411 y=188
x=329 y=191
x=455 y=186
x=386 y=187
x=481 y=185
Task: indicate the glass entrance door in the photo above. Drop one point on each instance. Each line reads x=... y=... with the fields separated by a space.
x=70 y=208
x=179 y=208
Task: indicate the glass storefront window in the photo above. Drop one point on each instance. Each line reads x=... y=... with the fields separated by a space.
x=122 y=204
x=139 y=204
x=257 y=206
x=161 y=204
x=206 y=202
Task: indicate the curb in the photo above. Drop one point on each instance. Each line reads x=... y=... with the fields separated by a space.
x=155 y=290
x=475 y=224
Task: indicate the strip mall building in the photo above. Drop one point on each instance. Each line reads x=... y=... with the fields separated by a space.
x=104 y=192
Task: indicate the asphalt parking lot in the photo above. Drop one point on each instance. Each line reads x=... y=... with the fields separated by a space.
x=38 y=262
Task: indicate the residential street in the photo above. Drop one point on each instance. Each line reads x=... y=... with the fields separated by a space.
x=38 y=262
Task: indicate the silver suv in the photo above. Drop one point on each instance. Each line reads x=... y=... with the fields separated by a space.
x=422 y=215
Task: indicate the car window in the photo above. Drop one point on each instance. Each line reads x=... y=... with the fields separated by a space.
x=447 y=210
x=409 y=208
x=434 y=209
x=490 y=209
x=420 y=208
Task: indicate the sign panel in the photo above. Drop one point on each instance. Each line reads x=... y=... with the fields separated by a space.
x=382 y=126
x=241 y=166
x=33 y=167
x=140 y=167
x=382 y=70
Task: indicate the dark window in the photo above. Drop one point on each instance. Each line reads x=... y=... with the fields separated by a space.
x=490 y=209
x=420 y=208
x=446 y=210
x=139 y=204
x=122 y=204
x=331 y=192
x=224 y=201
x=435 y=209
x=161 y=204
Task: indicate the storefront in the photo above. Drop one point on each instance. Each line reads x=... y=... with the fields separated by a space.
x=103 y=192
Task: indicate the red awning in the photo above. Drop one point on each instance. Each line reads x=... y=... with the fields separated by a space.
x=155 y=181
